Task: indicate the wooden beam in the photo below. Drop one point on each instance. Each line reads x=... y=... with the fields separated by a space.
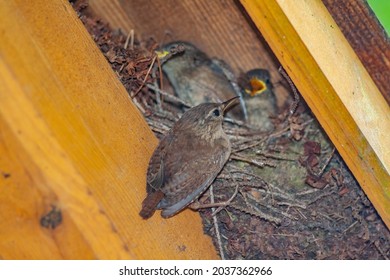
x=217 y=28
x=367 y=38
x=336 y=86
x=70 y=138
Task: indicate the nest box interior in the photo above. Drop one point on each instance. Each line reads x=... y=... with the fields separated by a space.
x=65 y=190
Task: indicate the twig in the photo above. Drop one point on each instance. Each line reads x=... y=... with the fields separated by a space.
x=160 y=72
x=261 y=140
x=290 y=200
x=277 y=234
x=215 y=221
x=158 y=130
x=320 y=196
x=120 y=69
x=165 y=115
x=295 y=103
x=310 y=191
x=251 y=210
x=241 y=171
x=292 y=205
x=255 y=162
x=226 y=203
x=154 y=76
x=326 y=163
x=158 y=125
x=273 y=209
x=268 y=155
x=146 y=77
x=139 y=106
x=240 y=132
x=220 y=205
x=380 y=250
x=238 y=123
x=351 y=226
x=300 y=213
x=326 y=216
x=130 y=38
x=169 y=96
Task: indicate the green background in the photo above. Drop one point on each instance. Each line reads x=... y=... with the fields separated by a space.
x=381 y=9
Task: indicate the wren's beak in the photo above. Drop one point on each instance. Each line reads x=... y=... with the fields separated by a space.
x=228 y=104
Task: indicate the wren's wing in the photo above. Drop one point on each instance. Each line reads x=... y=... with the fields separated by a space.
x=188 y=174
x=155 y=176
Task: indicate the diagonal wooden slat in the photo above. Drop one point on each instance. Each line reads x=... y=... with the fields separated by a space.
x=70 y=137
x=335 y=85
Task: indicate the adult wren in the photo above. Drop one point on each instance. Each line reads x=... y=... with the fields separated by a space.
x=187 y=159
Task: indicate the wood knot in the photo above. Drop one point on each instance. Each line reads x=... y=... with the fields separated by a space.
x=52 y=219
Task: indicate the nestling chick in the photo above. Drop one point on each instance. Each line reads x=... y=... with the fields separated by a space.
x=260 y=101
x=198 y=79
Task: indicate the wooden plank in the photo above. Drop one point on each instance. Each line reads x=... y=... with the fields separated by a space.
x=71 y=137
x=336 y=86
x=366 y=36
x=219 y=28
x=25 y=196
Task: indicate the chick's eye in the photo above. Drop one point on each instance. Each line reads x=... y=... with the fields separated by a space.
x=216 y=113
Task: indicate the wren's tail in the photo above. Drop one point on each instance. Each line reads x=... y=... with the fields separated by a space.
x=150 y=203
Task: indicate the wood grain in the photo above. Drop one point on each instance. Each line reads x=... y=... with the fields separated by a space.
x=335 y=85
x=70 y=137
x=219 y=28
x=366 y=36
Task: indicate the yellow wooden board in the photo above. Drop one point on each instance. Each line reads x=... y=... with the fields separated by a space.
x=335 y=85
x=70 y=137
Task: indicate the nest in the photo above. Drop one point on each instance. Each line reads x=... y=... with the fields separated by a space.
x=283 y=194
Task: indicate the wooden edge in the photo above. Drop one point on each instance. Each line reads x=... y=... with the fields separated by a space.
x=112 y=12
x=82 y=143
x=336 y=86
x=366 y=36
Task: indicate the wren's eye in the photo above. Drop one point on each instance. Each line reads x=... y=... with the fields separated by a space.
x=216 y=113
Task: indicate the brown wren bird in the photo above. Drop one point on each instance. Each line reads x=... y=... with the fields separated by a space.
x=187 y=159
